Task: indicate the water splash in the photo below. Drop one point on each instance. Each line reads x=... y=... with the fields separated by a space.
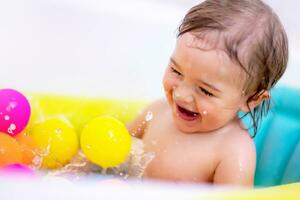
x=149 y=116
x=134 y=167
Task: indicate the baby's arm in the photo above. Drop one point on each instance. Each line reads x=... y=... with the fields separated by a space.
x=137 y=127
x=238 y=165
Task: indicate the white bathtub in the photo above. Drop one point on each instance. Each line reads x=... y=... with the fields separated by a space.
x=101 y=48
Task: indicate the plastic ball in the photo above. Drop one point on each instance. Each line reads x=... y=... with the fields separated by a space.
x=28 y=147
x=106 y=141
x=58 y=141
x=14 y=111
x=10 y=152
x=17 y=169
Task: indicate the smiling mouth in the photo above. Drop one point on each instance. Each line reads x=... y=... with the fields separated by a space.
x=187 y=114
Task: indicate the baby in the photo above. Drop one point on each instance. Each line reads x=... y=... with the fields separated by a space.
x=228 y=55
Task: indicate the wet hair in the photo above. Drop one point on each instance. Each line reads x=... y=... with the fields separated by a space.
x=251 y=34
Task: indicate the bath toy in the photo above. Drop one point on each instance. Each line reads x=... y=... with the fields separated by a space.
x=28 y=147
x=17 y=170
x=14 y=111
x=105 y=141
x=58 y=141
x=10 y=152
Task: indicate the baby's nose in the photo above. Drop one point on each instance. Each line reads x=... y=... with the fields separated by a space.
x=183 y=93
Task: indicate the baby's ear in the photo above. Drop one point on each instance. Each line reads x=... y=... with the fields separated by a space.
x=255 y=101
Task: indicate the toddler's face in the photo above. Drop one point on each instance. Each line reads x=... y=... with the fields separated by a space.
x=203 y=87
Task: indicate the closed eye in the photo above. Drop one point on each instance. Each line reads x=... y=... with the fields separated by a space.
x=204 y=91
x=176 y=72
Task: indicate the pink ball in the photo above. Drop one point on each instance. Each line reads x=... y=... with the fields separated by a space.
x=14 y=111
x=17 y=170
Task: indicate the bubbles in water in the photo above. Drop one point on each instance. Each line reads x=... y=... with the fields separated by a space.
x=149 y=116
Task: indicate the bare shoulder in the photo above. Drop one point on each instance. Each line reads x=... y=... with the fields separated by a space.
x=158 y=106
x=237 y=159
x=139 y=124
x=240 y=141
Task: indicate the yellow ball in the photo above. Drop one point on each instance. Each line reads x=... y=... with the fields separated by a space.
x=58 y=141
x=105 y=141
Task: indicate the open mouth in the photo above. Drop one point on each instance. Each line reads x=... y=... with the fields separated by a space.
x=187 y=114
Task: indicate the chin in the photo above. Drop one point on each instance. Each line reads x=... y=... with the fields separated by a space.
x=185 y=129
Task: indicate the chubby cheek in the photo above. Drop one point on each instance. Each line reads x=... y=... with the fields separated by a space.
x=169 y=83
x=215 y=116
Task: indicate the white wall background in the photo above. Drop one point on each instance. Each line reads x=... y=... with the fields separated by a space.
x=103 y=48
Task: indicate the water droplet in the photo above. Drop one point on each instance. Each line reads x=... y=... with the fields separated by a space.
x=133 y=133
x=37 y=161
x=11 y=128
x=59 y=130
x=110 y=135
x=149 y=116
x=11 y=106
x=176 y=94
x=2 y=150
x=6 y=117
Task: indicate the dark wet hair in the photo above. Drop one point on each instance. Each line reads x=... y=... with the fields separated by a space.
x=252 y=36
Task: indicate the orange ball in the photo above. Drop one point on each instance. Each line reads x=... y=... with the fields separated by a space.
x=10 y=151
x=28 y=147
